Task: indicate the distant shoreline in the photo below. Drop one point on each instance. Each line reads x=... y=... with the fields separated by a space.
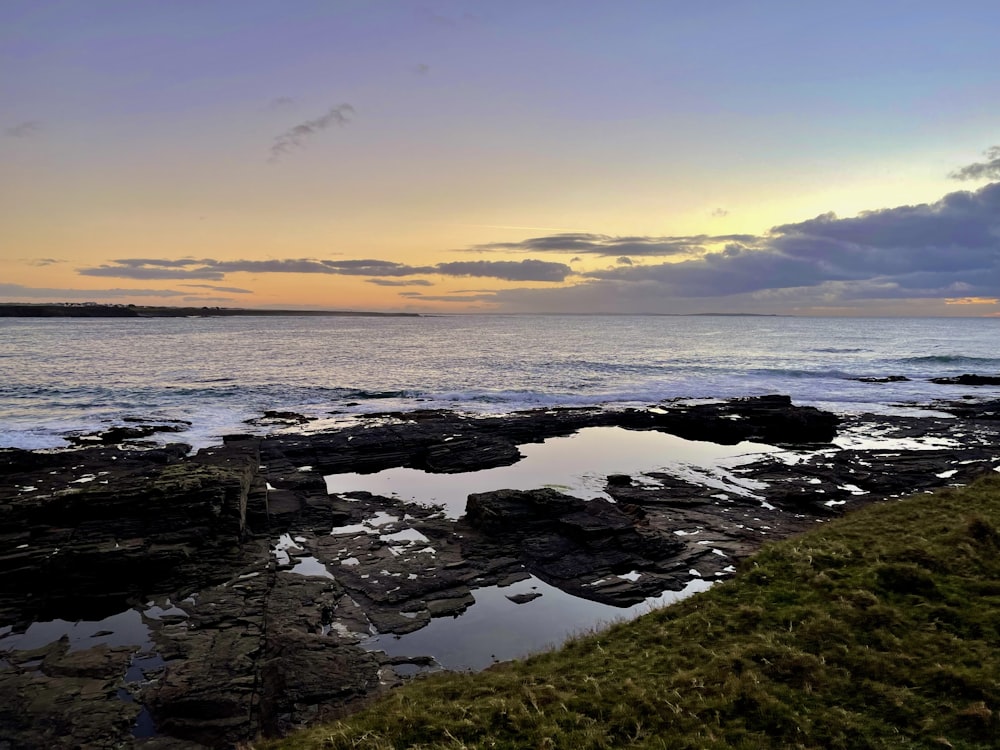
x=8 y=310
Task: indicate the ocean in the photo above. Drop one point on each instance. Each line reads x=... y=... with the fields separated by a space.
x=63 y=376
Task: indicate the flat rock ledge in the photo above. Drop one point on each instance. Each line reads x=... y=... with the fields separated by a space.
x=224 y=595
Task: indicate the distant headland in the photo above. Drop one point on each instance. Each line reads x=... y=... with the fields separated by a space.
x=96 y=310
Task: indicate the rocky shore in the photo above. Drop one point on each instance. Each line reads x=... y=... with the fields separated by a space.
x=152 y=598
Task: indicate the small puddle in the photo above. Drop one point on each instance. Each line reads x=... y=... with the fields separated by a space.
x=577 y=465
x=123 y=629
x=497 y=629
x=310 y=566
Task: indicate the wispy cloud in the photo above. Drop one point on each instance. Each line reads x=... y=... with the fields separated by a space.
x=215 y=270
x=985 y=170
x=400 y=282
x=151 y=272
x=207 y=299
x=719 y=213
x=31 y=292
x=24 y=129
x=525 y=270
x=296 y=137
x=610 y=246
x=280 y=102
x=41 y=262
x=420 y=297
x=214 y=288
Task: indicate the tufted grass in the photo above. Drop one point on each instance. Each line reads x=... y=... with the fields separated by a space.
x=877 y=630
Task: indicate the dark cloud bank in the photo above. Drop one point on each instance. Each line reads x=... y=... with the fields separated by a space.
x=943 y=250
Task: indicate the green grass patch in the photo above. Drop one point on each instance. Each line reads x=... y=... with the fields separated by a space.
x=877 y=630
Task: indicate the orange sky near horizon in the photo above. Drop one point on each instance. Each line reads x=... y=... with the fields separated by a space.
x=531 y=157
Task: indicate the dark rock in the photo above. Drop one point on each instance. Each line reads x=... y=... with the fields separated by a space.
x=524 y=598
x=768 y=419
x=273 y=417
x=570 y=541
x=115 y=435
x=99 y=542
x=470 y=454
x=505 y=510
x=619 y=480
x=968 y=380
x=886 y=379
x=972 y=410
x=71 y=701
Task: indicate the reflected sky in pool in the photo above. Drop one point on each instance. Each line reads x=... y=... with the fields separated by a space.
x=496 y=629
x=576 y=464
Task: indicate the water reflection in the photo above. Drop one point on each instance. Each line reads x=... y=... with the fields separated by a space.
x=577 y=465
x=123 y=629
x=496 y=629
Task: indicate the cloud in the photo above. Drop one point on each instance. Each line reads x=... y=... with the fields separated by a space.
x=932 y=252
x=296 y=137
x=207 y=299
x=215 y=270
x=421 y=69
x=280 y=101
x=973 y=301
x=24 y=129
x=922 y=249
x=41 y=262
x=420 y=297
x=525 y=270
x=719 y=213
x=366 y=267
x=403 y=282
x=908 y=256
x=17 y=290
x=372 y=267
x=168 y=263
x=214 y=288
x=988 y=170
x=151 y=272
x=606 y=245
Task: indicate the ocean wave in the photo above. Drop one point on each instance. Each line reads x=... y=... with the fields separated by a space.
x=350 y=393
x=832 y=374
x=836 y=350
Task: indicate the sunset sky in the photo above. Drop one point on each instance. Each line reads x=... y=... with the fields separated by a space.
x=658 y=156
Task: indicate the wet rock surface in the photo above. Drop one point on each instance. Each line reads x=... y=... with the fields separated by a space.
x=251 y=591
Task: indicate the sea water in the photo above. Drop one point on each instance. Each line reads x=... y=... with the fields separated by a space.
x=59 y=376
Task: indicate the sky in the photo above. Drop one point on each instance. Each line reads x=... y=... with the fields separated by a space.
x=626 y=156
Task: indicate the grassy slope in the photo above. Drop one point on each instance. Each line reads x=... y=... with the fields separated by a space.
x=881 y=629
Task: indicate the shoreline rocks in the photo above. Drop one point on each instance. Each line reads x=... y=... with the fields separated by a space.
x=968 y=380
x=253 y=591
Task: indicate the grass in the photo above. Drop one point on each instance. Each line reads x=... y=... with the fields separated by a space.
x=878 y=630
